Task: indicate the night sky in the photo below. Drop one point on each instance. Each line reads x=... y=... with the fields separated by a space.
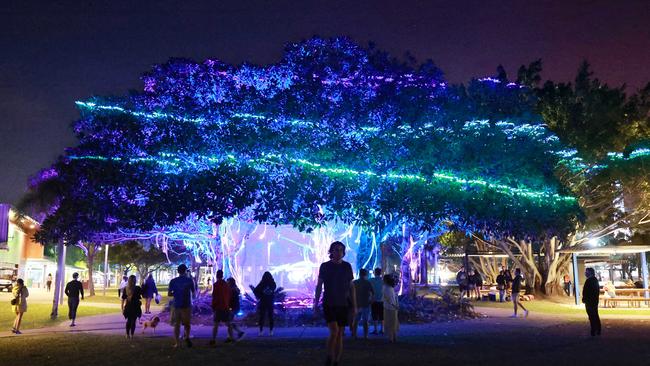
x=55 y=52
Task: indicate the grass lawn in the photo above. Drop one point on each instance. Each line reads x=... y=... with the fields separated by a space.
x=550 y=307
x=622 y=343
x=38 y=315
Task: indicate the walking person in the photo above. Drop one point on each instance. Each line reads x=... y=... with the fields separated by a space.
x=220 y=306
x=590 y=294
x=265 y=294
x=182 y=289
x=48 y=282
x=391 y=308
x=516 y=288
x=19 y=303
x=131 y=305
x=377 y=306
x=235 y=306
x=149 y=290
x=73 y=289
x=567 y=285
x=125 y=281
x=364 y=294
x=501 y=286
x=336 y=276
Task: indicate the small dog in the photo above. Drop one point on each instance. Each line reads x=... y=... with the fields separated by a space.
x=152 y=323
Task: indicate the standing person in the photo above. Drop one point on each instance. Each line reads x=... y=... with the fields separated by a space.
x=125 y=281
x=220 y=305
x=235 y=306
x=461 y=279
x=501 y=286
x=516 y=288
x=148 y=292
x=478 y=284
x=131 y=305
x=48 y=282
x=364 y=294
x=182 y=289
x=336 y=276
x=73 y=289
x=265 y=294
x=19 y=304
x=377 y=306
x=508 y=276
x=471 y=285
x=391 y=308
x=567 y=285
x=590 y=294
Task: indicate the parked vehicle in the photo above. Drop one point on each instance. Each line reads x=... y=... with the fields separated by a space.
x=7 y=277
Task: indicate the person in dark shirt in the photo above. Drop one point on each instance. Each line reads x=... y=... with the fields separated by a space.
x=265 y=294
x=131 y=305
x=590 y=297
x=73 y=289
x=235 y=306
x=508 y=276
x=182 y=289
x=516 y=288
x=461 y=279
x=501 y=286
x=478 y=284
x=336 y=277
x=149 y=291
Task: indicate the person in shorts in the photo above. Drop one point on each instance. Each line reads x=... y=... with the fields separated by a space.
x=221 y=293
x=336 y=277
x=377 y=306
x=182 y=289
x=516 y=288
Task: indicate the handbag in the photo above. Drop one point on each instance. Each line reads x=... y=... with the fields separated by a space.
x=157 y=298
x=14 y=301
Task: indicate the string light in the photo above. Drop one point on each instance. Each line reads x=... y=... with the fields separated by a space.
x=175 y=161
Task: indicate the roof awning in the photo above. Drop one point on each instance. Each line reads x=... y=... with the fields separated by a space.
x=610 y=249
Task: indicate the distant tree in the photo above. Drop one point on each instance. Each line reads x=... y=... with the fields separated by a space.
x=145 y=259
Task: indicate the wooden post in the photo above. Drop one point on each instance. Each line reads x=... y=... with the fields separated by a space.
x=576 y=278
x=644 y=270
x=106 y=271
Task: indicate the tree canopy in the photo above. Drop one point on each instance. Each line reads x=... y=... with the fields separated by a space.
x=331 y=131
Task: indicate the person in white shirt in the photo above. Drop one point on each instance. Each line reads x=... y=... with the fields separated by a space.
x=391 y=308
x=125 y=281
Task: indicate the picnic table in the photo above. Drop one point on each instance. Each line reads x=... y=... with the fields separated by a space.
x=632 y=296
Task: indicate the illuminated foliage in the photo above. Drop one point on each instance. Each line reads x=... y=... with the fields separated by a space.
x=332 y=131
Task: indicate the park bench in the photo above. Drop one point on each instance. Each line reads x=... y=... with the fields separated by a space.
x=632 y=301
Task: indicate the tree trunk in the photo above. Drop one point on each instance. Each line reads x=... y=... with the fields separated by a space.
x=90 y=262
x=424 y=268
x=58 y=278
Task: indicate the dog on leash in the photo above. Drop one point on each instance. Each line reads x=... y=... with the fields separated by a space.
x=152 y=323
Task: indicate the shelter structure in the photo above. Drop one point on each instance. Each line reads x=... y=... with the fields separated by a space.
x=587 y=251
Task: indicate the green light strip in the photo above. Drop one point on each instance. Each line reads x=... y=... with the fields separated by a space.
x=176 y=162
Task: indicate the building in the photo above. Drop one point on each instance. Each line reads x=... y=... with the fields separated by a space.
x=17 y=247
